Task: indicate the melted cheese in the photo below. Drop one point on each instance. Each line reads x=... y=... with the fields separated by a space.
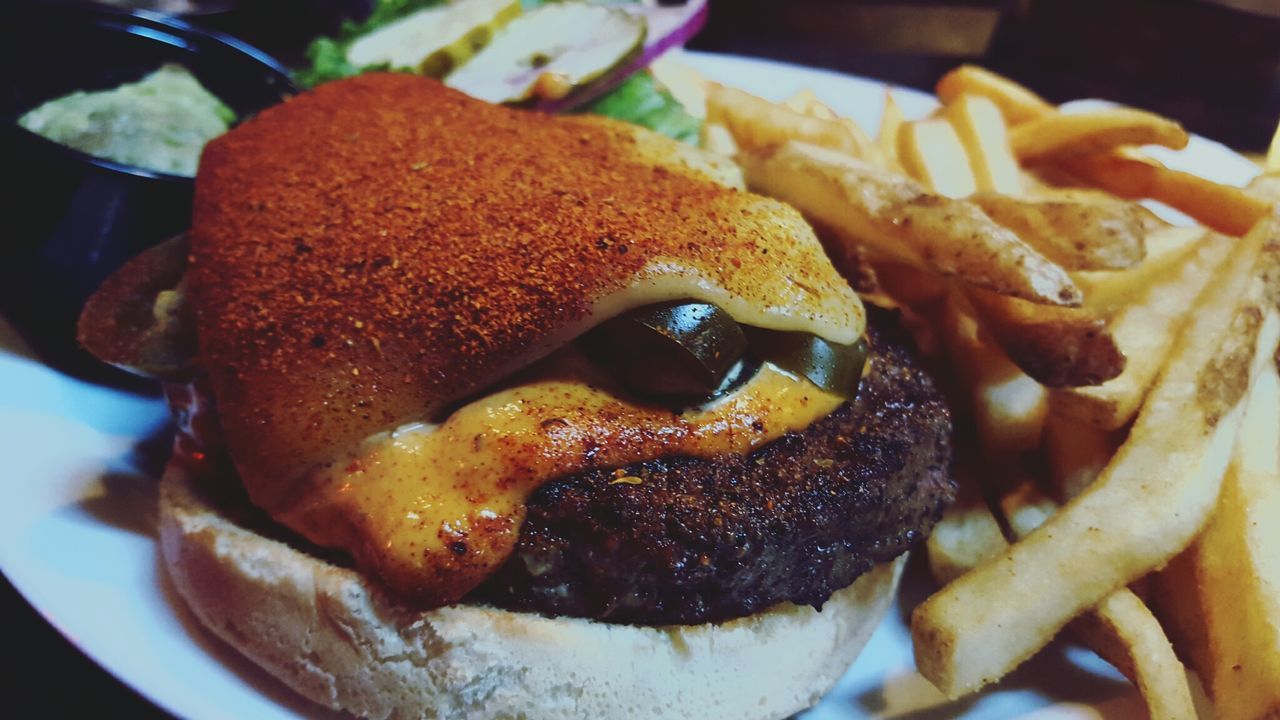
x=436 y=508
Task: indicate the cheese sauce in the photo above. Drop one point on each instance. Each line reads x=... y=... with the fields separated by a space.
x=434 y=509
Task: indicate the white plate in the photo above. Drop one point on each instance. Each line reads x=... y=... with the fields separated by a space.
x=77 y=524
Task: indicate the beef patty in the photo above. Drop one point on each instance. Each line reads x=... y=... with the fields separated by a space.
x=699 y=540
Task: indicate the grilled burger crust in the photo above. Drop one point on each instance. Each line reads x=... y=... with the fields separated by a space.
x=687 y=540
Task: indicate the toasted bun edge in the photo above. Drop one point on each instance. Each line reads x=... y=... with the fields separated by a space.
x=335 y=638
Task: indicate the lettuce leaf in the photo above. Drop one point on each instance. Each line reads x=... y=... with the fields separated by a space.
x=640 y=100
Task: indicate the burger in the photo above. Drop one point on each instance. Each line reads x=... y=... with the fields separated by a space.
x=491 y=414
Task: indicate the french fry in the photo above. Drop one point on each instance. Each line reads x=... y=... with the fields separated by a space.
x=1078 y=230
x=1076 y=454
x=717 y=139
x=807 y=102
x=1121 y=629
x=1167 y=249
x=1061 y=134
x=1226 y=587
x=891 y=121
x=1017 y=103
x=1130 y=175
x=1273 y=153
x=931 y=152
x=968 y=533
x=909 y=284
x=1007 y=407
x=1144 y=331
x=982 y=130
x=1146 y=506
x=1058 y=346
x=896 y=218
x=1266 y=187
x=757 y=124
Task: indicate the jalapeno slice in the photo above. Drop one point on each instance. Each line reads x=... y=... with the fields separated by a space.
x=833 y=367
x=676 y=350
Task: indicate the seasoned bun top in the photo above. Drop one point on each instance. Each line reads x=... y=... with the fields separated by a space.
x=371 y=252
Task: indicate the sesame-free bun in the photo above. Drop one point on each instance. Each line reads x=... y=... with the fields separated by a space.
x=335 y=638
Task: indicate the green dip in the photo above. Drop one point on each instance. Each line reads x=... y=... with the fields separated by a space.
x=159 y=123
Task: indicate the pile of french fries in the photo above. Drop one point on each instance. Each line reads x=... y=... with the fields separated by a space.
x=1114 y=377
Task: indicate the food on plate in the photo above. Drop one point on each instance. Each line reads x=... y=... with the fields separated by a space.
x=1078 y=230
x=1128 y=174
x=158 y=123
x=892 y=120
x=1221 y=597
x=932 y=153
x=1122 y=403
x=1058 y=346
x=425 y=464
x=549 y=52
x=1144 y=330
x=1147 y=505
x=1120 y=628
x=757 y=124
x=1273 y=153
x=556 y=56
x=1017 y=103
x=434 y=39
x=1059 y=134
x=985 y=135
x=895 y=216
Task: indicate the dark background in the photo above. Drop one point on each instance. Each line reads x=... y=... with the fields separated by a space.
x=1214 y=68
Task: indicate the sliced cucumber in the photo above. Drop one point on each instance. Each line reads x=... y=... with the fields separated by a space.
x=673 y=350
x=434 y=40
x=550 y=51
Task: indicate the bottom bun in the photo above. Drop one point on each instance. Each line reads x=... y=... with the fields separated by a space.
x=332 y=636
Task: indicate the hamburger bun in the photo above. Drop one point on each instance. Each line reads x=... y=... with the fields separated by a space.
x=335 y=637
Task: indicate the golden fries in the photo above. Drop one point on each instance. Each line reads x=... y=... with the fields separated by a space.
x=931 y=152
x=982 y=130
x=891 y=122
x=1007 y=408
x=1225 y=589
x=1144 y=331
x=1124 y=632
x=716 y=138
x=1106 y=292
x=757 y=124
x=1016 y=103
x=1061 y=135
x=1145 y=507
x=1273 y=153
x=968 y=534
x=1120 y=628
x=1091 y=351
x=1226 y=209
x=1078 y=230
x=895 y=217
x=1058 y=346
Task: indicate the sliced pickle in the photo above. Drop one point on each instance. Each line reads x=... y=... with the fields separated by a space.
x=434 y=40
x=834 y=368
x=550 y=51
x=678 y=350
x=139 y=319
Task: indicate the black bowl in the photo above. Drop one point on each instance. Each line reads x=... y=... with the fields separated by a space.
x=70 y=219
